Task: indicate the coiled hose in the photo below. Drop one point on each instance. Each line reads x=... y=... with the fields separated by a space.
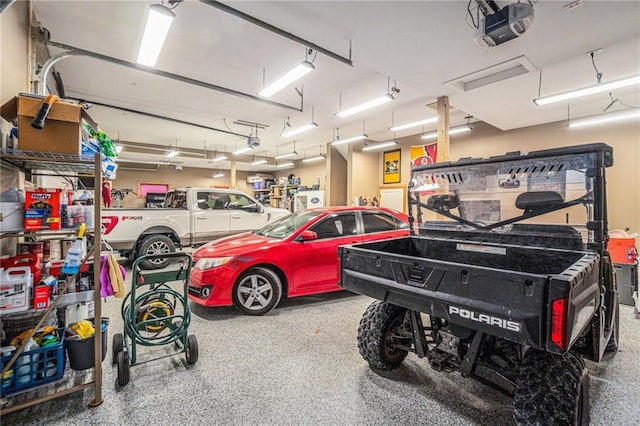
x=154 y=327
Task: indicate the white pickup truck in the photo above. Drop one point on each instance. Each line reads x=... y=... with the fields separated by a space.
x=190 y=216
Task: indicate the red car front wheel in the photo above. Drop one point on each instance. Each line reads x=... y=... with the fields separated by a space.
x=257 y=291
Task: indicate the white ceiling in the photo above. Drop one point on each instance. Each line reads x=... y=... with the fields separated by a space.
x=419 y=45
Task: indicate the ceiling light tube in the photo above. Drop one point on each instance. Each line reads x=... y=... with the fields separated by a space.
x=290 y=154
x=220 y=158
x=625 y=114
x=367 y=105
x=258 y=162
x=287 y=164
x=300 y=70
x=316 y=158
x=218 y=175
x=156 y=29
x=353 y=139
x=299 y=130
x=414 y=124
x=585 y=91
x=452 y=131
x=242 y=150
x=172 y=153
x=379 y=145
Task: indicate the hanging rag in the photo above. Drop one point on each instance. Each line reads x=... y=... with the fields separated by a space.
x=106 y=289
x=116 y=277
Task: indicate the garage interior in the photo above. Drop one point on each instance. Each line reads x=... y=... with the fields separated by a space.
x=173 y=121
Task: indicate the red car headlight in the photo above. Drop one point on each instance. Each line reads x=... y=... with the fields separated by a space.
x=212 y=262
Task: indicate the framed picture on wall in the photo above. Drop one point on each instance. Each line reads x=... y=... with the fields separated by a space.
x=391 y=166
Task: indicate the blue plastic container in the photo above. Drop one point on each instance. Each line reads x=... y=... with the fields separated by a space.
x=34 y=367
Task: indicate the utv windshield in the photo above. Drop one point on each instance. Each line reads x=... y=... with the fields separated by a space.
x=287 y=225
x=504 y=193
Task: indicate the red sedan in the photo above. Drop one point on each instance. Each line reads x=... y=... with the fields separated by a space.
x=293 y=256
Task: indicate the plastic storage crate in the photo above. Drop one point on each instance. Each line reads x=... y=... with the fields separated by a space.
x=34 y=368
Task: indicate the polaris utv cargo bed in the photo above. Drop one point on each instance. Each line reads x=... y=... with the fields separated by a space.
x=505 y=278
x=503 y=290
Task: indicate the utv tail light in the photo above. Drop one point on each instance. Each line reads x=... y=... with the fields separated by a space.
x=559 y=323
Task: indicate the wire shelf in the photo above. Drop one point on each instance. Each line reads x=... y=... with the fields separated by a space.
x=52 y=161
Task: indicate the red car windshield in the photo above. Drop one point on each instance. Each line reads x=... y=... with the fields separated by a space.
x=287 y=225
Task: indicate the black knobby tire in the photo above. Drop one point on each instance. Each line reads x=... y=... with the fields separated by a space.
x=614 y=340
x=123 y=368
x=155 y=244
x=551 y=390
x=191 y=352
x=377 y=326
x=268 y=291
x=117 y=345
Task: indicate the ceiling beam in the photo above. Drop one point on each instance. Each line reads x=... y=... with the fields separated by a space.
x=172 y=76
x=235 y=12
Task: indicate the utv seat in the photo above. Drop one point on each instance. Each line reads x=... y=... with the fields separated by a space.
x=560 y=236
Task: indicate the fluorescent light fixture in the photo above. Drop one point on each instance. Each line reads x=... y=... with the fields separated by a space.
x=242 y=150
x=258 y=162
x=299 y=130
x=287 y=164
x=220 y=158
x=155 y=32
x=316 y=158
x=218 y=175
x=367 y=105
x=300 y=70
x=353 y=139
x=414 y=124
x=585 y=91
x=290 y=154
x=379 y=145
x=118 y=149
x=452 y=131
x=172 y=153
x=626 y=114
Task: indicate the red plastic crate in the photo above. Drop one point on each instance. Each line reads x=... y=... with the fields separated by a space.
x=623 y=250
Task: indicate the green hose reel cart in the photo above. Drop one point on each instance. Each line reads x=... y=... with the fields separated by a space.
x=155 y=313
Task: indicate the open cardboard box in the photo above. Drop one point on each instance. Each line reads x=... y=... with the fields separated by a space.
x=61 y=132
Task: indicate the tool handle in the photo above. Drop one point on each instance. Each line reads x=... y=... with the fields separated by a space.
x=38 y=121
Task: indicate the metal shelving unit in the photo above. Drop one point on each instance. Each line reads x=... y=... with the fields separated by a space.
x=30 y=162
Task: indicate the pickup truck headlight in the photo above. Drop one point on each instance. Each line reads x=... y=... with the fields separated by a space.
x=212 y=262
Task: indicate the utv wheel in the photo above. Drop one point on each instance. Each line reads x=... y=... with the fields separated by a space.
x=551 y=390
x=380 y=328
x=257 y=291
x=612 y=345
x=156 y=244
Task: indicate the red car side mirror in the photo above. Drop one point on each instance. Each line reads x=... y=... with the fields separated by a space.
x=308 y=236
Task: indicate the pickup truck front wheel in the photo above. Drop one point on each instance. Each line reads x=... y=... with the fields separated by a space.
x=551 y=390
x=380 y=332
x=155 y=244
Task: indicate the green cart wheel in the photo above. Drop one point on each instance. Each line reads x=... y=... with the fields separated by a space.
x=192 y=350
x=123 y=368
x=116 y=347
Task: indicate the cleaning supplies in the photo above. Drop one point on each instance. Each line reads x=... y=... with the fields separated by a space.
x=75 y=254
x=25 y=362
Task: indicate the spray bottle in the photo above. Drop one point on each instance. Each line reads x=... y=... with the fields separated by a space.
x=75 y=254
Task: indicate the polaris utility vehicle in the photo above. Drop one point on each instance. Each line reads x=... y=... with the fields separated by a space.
x=507 y=257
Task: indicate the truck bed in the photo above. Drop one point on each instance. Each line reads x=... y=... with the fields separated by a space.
x=500 y=289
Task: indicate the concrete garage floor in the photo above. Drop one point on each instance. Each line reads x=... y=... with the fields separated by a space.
x=300 y=366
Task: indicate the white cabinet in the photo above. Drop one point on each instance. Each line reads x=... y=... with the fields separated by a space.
x=308 y=200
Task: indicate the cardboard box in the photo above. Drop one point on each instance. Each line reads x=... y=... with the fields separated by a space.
x=62 y=128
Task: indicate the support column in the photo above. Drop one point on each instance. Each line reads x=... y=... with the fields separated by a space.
x=443 y=129
x=233 y=175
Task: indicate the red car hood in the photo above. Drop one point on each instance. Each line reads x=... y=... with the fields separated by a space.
x=233 y=245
